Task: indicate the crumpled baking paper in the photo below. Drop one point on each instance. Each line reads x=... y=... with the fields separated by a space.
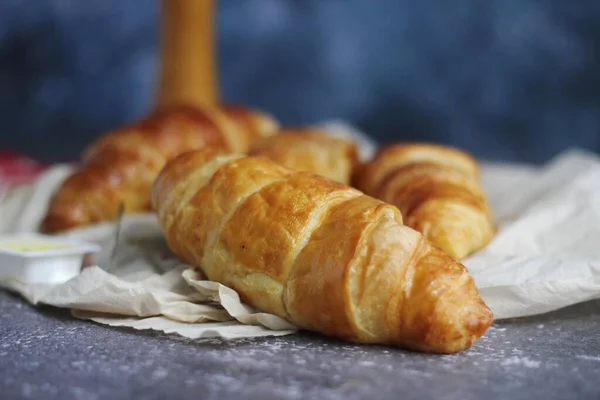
x=545 y=256
x=546 y=253
x=146 y=287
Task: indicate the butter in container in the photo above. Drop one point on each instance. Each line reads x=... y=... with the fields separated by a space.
x=36 y=258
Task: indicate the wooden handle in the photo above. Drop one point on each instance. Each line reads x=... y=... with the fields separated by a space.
x=188 y=66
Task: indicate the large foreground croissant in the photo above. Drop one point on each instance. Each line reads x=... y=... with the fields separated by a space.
x=438 y=192
x=310 y=150
x=122 y=165
x=316 y=252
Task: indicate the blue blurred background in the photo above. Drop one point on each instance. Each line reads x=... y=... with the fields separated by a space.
x=514 y=80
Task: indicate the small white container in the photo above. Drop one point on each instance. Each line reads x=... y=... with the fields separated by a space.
x=36 y=258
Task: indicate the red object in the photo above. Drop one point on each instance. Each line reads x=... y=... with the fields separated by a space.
x=17 y=169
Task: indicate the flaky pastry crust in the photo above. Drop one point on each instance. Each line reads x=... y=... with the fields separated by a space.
x=437 y=190
x=310 y=150
x=122 y=165
x=319 y=253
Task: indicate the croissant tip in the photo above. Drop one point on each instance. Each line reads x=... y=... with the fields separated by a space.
x=472 y=321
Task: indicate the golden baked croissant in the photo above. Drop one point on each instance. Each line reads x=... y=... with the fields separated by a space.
x=438 y=192
x=122 y=165
x=310 y=150
x=320 y=254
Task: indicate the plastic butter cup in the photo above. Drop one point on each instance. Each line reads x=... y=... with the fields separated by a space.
x=36 y=258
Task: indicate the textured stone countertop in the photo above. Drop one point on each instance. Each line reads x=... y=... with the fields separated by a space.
x=47 y=354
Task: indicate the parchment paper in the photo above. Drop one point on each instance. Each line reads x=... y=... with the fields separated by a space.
x=545 y=256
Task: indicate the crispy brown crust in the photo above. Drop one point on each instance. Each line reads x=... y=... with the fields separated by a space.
x=437 y=190
x=121 y=166
x=310 y=150
x=318 y=253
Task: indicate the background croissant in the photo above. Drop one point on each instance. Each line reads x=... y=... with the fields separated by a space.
x=316 y=252
x=437 y=190
x=122 y=165
x=310 y=150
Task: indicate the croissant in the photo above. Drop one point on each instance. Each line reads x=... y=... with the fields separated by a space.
x=121 y=166
x=438 y=192
x=316 y=252
x=310 y=150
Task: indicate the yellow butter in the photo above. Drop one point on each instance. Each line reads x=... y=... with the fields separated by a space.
x=33 y=246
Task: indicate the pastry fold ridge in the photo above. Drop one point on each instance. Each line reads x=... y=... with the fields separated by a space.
x=316 y=252
x=310 y=150
x=121 y=166
x=437 y=190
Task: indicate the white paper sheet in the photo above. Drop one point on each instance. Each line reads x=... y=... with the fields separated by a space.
x=149 y=289
x=546 y=253
x=545 y=256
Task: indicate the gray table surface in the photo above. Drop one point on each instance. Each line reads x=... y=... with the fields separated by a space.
x=47 y=354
